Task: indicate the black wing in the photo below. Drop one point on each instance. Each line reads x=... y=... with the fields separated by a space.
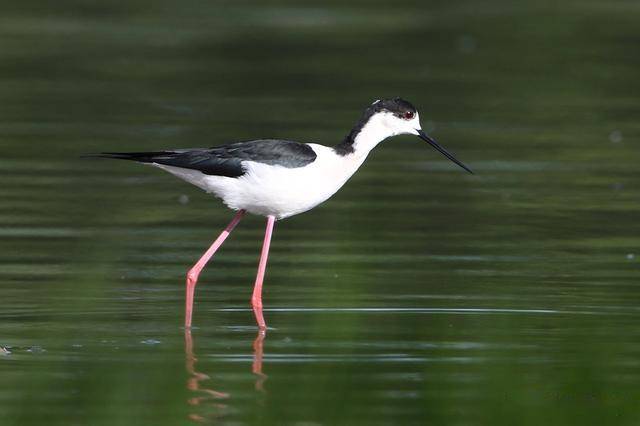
x=226 y=160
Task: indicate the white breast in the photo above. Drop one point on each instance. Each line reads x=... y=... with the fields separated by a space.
x=276 y=190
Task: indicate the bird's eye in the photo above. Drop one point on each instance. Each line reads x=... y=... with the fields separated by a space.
x=408 y=115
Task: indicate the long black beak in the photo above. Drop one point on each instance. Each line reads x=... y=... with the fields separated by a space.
x=440 y=149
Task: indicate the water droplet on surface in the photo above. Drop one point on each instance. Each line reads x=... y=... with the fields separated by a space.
x=466 y=43
x=615 y=136
x=631 y=256
x=183 y=199
x=150 y=342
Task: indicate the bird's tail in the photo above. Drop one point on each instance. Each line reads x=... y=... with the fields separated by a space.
x=142 y=157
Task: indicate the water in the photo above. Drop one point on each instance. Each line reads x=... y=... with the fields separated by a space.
x=417 y=295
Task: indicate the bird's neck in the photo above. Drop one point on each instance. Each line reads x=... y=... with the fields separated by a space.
x=362 y=139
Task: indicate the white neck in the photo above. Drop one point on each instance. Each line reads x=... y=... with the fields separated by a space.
x=374 y=132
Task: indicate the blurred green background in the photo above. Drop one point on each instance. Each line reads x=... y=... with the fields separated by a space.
x=417 y=295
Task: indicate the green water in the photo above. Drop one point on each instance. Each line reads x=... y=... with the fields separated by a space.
x=417 y=295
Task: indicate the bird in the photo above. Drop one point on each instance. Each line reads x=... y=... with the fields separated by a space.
x=278 y=178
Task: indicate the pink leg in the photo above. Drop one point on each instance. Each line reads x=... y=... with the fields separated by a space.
x=256 y=299
x=194 y=272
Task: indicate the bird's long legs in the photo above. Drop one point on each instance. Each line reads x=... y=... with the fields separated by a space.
x=194 y=272
x=256 y=299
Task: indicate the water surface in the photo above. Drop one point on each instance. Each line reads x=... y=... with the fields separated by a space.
x=418 y=294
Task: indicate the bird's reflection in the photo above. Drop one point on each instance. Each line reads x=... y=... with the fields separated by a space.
x=204 y=396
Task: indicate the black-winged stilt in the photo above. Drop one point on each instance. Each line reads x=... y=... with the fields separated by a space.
x=279 y=178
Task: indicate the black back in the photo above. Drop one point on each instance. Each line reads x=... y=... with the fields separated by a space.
x=396 y=106
x=226 y=160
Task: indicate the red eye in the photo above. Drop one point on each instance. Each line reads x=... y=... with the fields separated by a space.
x=408 y=115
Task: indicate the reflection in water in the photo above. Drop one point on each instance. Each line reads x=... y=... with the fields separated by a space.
x=208 y=399
x=206 y=396
x=258 y=351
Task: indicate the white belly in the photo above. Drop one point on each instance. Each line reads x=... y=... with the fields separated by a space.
x=277 y=190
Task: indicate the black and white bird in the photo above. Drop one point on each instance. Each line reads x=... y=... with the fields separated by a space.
x=280 y=178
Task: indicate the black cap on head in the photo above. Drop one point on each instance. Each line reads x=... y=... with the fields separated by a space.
x=396 y=106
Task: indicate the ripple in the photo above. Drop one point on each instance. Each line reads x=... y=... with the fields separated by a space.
x=404 y=310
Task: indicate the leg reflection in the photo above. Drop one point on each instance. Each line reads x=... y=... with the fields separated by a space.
x=258 y=352
x=211 y=402
x=206 y=396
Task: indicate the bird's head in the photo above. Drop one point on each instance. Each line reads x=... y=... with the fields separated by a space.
x=395 y=116
x=391 y=117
